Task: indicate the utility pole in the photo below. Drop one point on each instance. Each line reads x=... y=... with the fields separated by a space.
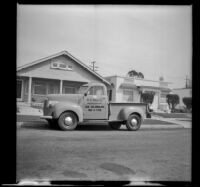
x=186 y=82
x=93 y=66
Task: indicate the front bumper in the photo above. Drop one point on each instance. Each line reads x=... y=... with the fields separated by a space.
x=46 y=117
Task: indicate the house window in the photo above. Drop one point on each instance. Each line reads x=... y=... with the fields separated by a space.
x=61 y=65
x=54 y=65
x=53 y=89
x=127 y=95
x=69 y=90
x=19 y=89
x=39 y=88
x=26 y=87
x=69 y=67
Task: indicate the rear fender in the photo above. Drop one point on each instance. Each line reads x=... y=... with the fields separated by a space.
x=59 y=108
x=126 y=112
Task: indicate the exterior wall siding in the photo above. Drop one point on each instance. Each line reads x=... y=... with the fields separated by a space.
x=44 y=70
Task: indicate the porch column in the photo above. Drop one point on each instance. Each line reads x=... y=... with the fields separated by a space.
x=61 y=86
x=29 y=89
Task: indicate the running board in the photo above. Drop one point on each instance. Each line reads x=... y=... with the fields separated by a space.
x=103 y=121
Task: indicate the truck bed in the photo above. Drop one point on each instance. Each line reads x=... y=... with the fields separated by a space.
x=116 y=107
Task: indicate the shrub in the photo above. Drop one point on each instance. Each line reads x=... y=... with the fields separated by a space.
x=179 y=110
x=147 y=97
x=188 y=102
x=172 y=100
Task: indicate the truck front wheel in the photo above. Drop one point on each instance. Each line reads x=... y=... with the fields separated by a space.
x=114 y=125
x=67 y=121
x=133 y=123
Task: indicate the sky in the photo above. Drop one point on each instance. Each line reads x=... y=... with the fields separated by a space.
x=153 y=39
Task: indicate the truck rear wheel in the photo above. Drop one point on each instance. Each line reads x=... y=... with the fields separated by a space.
x=133 y=123
x=114 y=125
x=67 y=121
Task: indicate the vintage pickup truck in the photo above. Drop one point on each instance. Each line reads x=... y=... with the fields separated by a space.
x=91 y=105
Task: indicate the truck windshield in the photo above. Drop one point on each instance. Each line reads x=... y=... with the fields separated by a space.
x=82 y=89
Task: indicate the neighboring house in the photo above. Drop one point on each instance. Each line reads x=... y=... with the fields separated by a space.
x=182 y=92
x=58 y=73
x=127 y=89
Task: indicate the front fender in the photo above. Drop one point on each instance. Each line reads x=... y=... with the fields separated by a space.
x=125 y=112
x=59 y=108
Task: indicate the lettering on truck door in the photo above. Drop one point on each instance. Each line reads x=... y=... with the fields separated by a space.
x=95 y=103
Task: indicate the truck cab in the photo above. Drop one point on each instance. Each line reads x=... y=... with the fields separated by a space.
x=95 y=102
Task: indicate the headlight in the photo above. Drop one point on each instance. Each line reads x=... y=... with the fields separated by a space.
x=52 y=103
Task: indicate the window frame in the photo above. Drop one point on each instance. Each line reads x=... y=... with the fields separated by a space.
x=68 y=87
x=92 y=87
x=67 y=68
x=129 y=90
x=39 y=83
x=22 y=89
x=54 y=88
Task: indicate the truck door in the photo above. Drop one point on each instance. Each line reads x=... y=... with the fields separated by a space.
x=95 y=104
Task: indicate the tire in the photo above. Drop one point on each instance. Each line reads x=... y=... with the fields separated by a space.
x=53 y=123
x=133 y=123
x=67 y=124
x=115 y=126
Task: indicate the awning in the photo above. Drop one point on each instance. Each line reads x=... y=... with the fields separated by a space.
x=155 y=88
x=128 y=85
x=165 y=89
x=149 y=87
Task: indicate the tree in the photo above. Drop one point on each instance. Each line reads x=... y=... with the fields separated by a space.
x=133 y=73
x=172 y=100
x=140 y=75
x=187 y=102
x=147 y=97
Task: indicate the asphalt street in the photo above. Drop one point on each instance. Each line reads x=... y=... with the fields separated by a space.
x=100 y=154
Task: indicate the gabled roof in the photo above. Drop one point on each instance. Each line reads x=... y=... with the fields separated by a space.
x=70 y=56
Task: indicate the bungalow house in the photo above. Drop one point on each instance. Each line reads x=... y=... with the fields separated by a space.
x=58 y=73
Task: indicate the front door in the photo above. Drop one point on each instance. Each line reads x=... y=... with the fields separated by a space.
x=95 y=104
x=19 y=89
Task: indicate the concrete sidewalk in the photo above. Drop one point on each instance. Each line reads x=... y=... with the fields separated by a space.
x=185 y=122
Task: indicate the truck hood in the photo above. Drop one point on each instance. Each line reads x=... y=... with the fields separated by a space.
x=73 y=98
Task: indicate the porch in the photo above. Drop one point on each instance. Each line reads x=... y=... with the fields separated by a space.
x=33 y=90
